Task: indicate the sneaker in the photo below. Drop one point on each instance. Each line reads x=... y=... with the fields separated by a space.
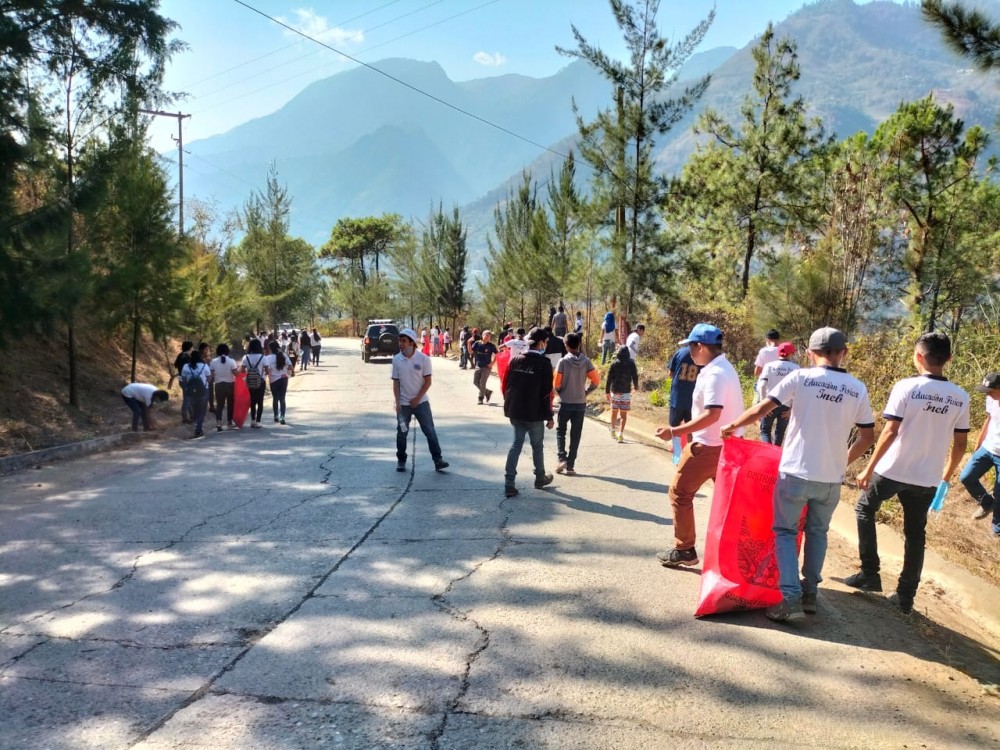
x=489 y=395
x=281 y=421
x=808 y=602
x=218 y=428
x=785 y=611
x=401 y=466
x=480 y=402
x=253 y=425
x=543 y=481
x=259 y=425
x=561 y=467
x=905 y=605
x=980 y=512
x=621 y=437
x=510 y=492
x=613 y=433
x=199 y=434
x=864 y=582
x=276 y=420
x=676 y=557
x=570 y=471
x=440 y=465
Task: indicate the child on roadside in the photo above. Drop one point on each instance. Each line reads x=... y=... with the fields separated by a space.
x=987 y=455
x=826 y=405
x=923 y=415
x=770 y=375
x=623 y=375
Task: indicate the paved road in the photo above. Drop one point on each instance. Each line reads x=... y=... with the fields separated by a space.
x=286 y=588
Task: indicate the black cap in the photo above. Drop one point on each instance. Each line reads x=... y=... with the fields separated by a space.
x=990 y=383
x=773 y=335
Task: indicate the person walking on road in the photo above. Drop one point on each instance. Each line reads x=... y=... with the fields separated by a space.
x=986 y=456
x=182 y=359
x=575 y=377
x=224 y=369
x=411 y=379
x=774 y=425
x=925 y=416
x=528 y=405
x=305 y=349
x=717 y=399
x=195 y=379
x=484 y=354
x=827 y=404
x=254 y=366
x=277 y=366
x=623 y=375
x=683 y=376
x=315 y=344
x=139 y=398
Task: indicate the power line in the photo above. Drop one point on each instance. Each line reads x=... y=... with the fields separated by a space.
x=401 y=82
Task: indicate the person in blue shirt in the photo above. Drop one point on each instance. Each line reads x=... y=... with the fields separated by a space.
x=683 y=374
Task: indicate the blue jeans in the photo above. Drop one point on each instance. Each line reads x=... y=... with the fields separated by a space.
x=536 y=434
x=607 y=350
x=306 y=356
x=139 y=412
x=423 y=414
x=574 y=414
x=977 y=467
x=779 y=424
x=198 y=409
x=791 y=495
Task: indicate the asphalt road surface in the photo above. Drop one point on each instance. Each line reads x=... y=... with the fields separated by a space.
x=287 y=588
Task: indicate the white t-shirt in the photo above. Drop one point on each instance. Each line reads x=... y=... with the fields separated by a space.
x=140 y=391
x=718 y=385
x=929 y=410
x=273 y=373
x=410 y=372
x=632 y=342
x=826 y=404
x=223 y=372
x=772 y=374
x=765 y=355
x=992 y=440
x=255 y=362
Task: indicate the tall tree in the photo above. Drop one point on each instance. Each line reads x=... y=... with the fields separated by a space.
x=933 y=165
x=970 y=32
x=443 y=261
x=619 y=143
x=749 y=184
x=565 y=205
x=280 y=268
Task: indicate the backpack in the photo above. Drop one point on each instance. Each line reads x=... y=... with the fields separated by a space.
x=194 y=386
x=254 y=379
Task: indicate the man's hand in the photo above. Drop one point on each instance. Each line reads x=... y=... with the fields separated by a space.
x=665 y=433
x=865 y=479
x=550 y=424
x=415 y=402
x=728 y=430
x=397 y=407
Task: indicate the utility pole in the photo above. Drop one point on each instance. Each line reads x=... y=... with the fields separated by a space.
x=180 y=161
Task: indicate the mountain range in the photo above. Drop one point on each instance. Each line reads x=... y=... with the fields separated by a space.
x=360 y=143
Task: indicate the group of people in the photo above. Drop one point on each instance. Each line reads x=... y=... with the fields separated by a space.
x=437 y=343
x=813 y=411
x=301 y=347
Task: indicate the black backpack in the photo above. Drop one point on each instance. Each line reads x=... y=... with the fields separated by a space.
x=254 y=379
x=194 y=386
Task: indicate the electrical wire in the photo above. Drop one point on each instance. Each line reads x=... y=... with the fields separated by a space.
x=403 y=83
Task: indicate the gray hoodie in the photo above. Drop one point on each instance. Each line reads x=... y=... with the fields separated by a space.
x=574 y=369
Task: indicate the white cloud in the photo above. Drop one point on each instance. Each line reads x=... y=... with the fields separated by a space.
x=318 y=27
x=490 y=61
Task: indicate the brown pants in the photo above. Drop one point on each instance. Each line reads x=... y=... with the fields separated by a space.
x=698 y=464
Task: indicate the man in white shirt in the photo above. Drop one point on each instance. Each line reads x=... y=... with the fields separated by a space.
x=768 y=353
x=987 y=455
x=773 y=426
x=632 y=342
x=718 y=399
x=411 y=379
x=827 y=404
x=923 y=417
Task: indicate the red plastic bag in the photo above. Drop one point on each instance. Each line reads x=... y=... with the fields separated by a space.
x=740 y=570
x=503 y=362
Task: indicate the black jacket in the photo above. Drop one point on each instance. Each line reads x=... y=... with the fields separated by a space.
x=529 y=387
x=623 y=375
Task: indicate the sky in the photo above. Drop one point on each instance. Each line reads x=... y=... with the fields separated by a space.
x=240 y=65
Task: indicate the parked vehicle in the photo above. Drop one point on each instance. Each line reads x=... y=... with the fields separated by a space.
x=380 y=340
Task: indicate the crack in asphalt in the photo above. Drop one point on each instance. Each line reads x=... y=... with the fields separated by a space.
x=442 y=602
x=15 y=659
x=206 y=688
x=135 y=565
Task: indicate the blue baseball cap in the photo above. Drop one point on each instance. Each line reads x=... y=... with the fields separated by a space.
x=704 y=333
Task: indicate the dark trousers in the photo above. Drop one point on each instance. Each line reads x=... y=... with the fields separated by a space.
x=777 y=421
x=535 y=431
x=426 y=421
x=199 y=406
x=573 y=414
x=256 y=403
x=315 y=353
x=463 y=357
x=278 y=390
x=679 y=415
x=306 y=355
x=224 y=398
x=916 y=501
x=139 y=411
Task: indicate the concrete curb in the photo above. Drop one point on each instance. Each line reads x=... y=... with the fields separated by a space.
x=977 y=598
x=21 y=461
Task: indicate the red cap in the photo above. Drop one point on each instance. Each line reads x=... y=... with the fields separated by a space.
x=786 y=349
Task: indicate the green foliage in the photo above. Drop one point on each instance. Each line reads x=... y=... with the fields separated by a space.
x=969 y=32
x=443 y=258
x=619 y=144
